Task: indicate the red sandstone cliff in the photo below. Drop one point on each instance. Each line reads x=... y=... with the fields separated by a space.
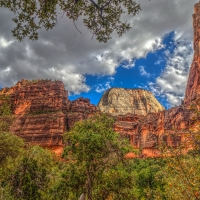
x=43 y=112
x=192 y=93
x=146 y=132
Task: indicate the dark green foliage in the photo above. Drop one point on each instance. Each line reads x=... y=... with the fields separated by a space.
x=5 y=109
x=28 y=180
x=5 y=123
x=102 y=18
x=71 y=183
x=6 y=118
x=28 y=172
x=10 y=146
x=148 y=183
x=5 y=105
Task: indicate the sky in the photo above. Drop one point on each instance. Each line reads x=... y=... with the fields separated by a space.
x=154 y=55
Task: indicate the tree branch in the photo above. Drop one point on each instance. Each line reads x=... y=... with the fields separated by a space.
x=76 y=27
x=95 y=5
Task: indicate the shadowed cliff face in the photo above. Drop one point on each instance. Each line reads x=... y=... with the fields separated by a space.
x=120 y=101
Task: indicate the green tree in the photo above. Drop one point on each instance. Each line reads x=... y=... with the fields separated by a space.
x=5 y=105
x=10 y=146
x=101 y=17
x=182 y=172
x=182 y=177
x=95 y=154
x=148 y=183
x=31 y=175
x=6 y=118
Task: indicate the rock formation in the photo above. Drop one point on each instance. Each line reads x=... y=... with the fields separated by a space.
x=120 y=101
x=192 y=93
x=77 y=110
x=43 y=112
x=146 y=132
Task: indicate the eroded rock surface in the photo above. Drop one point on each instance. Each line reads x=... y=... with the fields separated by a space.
x=120 y=101
x=78 y=110
x=146 y=132
x=192 y=93
x=43 y=112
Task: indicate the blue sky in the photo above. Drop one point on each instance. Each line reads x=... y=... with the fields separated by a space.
x=144 y=71
x=155 y=54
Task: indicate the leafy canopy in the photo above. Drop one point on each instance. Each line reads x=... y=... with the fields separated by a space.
x=96 y=154
x=10 y=146
x=101 y=17
x=31 y=172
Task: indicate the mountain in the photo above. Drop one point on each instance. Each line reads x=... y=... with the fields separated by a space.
x=120 y=101
x=42 y=111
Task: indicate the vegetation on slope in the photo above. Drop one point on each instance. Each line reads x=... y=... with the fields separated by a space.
x=93 y=166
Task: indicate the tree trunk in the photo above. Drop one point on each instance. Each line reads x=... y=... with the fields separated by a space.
x=82 y=197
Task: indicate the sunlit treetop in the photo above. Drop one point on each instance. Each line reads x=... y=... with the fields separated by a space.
x=101 y=17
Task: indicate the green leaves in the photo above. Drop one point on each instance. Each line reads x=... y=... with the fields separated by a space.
x=102 y=18
x=5 y=105
x=28 y=180
x=10 y=146
x=26 y=172
x=97 y=153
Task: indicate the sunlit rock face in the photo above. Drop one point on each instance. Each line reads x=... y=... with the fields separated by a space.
x=42 y=111
x=147 y=132
x=120 y=101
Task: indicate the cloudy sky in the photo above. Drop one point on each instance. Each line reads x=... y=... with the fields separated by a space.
x=155 y=54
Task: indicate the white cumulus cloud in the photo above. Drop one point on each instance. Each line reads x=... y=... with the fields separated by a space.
x=172 y=82
x=73 y=55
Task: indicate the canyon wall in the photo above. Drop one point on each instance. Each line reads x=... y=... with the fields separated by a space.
x=192 y=93
x=42 y=111
x=148 y=132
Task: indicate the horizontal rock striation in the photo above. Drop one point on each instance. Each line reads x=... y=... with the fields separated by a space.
x=37 y=96
x=42 y=111
x=78 y=110
x=147 y=132
x=120 y=101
